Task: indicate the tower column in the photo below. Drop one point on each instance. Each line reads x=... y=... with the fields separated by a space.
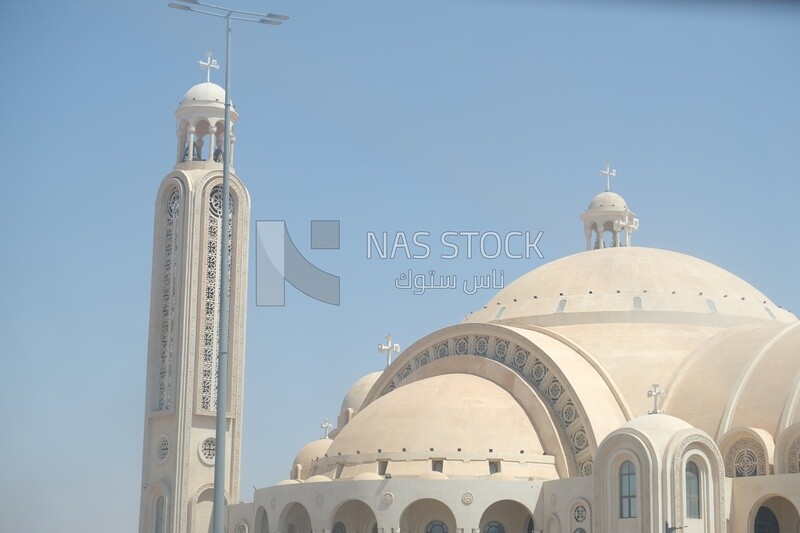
x=190 y=145
x=179 y=141
x=212 y=144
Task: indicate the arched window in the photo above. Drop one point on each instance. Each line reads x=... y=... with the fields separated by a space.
x=766 y=521
x=627 y=490
x=160 y=515
x=212 y=285
x=692 y=490
x=375 y=528
x=562 y=304
x=494 y=527
x=338 y=527
x=436 y=526
x=530 y=527
x=637 y=302
x=580 y=530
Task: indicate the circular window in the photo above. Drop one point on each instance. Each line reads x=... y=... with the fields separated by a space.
x=215 y=202
x=162 y=449
x=241 y=528
x=174 y=204
x=746 y=463
x=208 y=450
x=494 y=527
x=436 y=526
x=580 y=513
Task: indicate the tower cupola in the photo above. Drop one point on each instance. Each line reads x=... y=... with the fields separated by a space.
x=608 y=213
x=201 y=118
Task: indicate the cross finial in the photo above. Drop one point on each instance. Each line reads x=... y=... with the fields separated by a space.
x=207 y=65
x=655 y=393
x=326 y=426
x=389 y=348
x=608 y=172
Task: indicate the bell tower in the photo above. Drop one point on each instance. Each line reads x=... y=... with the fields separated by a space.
x=180 y=406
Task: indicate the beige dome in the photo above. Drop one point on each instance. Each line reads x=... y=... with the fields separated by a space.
x=307 y=454
x=204 y=93
x=478 y=416
x=607 y=201
x=358 y=392
x=629 y=284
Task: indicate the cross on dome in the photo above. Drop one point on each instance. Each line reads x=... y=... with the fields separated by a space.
x=608 y=172
x=326 y=426
x=207 y=65
x=655 y=393
x=389 y=348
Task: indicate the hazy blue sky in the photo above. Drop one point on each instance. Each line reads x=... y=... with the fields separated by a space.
x=390 y=116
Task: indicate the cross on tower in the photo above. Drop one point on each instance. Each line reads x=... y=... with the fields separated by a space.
x=608 y=173
x=207 y=65
x=655 y=393
x=326 y=426
x=389 y=348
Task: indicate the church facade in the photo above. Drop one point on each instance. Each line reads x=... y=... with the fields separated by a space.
x=620 y=389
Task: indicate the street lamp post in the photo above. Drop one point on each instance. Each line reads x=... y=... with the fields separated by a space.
x=222 y=363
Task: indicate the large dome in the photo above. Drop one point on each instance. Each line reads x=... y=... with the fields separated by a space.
x=629 y=284
x=455 y=412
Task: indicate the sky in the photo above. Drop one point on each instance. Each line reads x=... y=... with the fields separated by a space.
x=397 y=117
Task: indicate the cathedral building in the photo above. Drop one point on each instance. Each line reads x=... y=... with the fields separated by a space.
x=620 y=389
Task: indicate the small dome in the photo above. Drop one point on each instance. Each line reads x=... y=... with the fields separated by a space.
x=204 y=93
x=318 y=479
x=309 y=453
x=433 y=475
x=658 y=428
x=368 y=476
x=657 y=424
x=608 y=201
x=288 y=482
x=354 y=398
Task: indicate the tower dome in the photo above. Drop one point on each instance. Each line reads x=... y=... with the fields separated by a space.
x=204 y=94
x=607 y=201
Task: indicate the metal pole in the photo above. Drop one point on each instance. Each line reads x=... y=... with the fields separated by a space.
x=224 y=299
